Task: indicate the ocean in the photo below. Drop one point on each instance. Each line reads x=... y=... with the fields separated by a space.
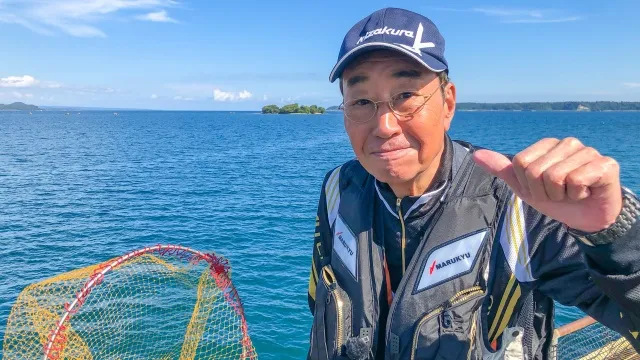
x=79 y=189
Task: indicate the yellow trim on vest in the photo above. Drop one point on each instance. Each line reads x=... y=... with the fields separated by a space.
x=312 y=286
x=332 y=187
x=313 y=270
x=503 y=301
x=521 y=247
x=509 y=312
x=313 y=280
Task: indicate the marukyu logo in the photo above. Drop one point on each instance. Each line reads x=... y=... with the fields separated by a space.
x=454 y=259
x=344 y=243
x=437 y=266
x=417 y=46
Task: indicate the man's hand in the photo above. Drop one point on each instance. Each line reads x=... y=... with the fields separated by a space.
x=562 y=179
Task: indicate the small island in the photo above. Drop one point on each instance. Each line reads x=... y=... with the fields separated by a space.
x=18 y=106
x=293 y=109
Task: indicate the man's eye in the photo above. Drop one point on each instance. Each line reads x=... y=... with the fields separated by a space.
x=405 y=95
x=361 y=102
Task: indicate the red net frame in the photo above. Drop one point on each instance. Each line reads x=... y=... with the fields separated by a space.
x=218 y=268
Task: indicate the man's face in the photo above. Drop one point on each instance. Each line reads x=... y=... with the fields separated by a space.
x=396 y=149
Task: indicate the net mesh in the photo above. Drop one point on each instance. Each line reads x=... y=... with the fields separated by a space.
x=157 y=303
x=593 y=342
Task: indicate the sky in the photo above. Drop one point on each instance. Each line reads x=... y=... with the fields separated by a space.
x=242 y=55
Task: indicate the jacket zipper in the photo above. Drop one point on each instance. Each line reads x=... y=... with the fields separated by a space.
x=403 y=239
x=464 y=169
x=330 y=280
x=458 y=298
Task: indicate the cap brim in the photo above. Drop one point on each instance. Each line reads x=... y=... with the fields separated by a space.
x=429 y=62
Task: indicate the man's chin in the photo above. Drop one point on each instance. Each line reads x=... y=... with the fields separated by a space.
x=392 y=175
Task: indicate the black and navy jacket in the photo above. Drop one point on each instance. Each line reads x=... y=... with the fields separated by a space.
x=468 y=254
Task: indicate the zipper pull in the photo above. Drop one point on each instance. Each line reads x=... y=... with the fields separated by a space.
x=398 y=200
x=447 y=319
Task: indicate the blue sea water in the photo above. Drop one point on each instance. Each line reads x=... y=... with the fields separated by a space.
x=79 y=189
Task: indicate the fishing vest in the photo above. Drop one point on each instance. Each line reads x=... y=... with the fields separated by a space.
x=434 y=313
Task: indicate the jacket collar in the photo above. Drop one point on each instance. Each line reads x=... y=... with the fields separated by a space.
x=418 y=205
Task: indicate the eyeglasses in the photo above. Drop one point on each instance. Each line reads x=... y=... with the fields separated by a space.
x=403 y=104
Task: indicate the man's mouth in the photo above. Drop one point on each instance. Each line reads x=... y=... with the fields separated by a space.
x=391 y=153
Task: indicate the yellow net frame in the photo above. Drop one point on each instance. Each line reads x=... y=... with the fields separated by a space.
x=159 y=302
x=587 y=339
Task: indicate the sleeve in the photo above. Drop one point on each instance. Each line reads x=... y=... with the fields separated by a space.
x=603 y=280
x=321 y=247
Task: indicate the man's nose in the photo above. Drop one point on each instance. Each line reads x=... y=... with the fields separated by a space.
x=386 y=122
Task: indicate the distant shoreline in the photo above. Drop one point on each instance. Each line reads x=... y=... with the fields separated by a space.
x=565 y=106
x=508 y=110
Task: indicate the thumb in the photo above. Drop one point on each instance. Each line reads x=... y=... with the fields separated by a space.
x=498 y=165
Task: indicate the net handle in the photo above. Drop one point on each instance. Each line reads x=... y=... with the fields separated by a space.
x=96 y=279
x=574 y=326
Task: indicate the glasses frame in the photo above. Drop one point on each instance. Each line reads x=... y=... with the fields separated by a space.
x=389 y=103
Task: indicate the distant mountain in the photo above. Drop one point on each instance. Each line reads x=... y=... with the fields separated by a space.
x=19 y=106
x=545 y=106
x=552 y=106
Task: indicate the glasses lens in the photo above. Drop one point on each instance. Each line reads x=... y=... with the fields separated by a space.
x=407 y=103
x=359 y=110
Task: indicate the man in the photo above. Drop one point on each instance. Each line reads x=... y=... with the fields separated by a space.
x=428 y=248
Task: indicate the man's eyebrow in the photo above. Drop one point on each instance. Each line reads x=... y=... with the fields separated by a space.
x=414 y=74
x=356 y=79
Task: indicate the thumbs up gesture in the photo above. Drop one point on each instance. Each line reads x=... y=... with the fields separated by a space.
x=562 y=179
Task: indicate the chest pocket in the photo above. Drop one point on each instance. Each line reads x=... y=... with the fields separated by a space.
x=449 y=331
x=333 y=318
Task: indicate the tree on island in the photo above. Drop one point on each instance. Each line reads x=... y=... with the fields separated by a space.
x=290 y=109
x=293 y=109
x=270 y=109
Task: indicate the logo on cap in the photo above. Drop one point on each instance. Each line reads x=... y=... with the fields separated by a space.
x=417 y=43
x=385 y=31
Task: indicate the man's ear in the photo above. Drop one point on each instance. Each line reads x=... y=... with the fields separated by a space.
x=449 y=104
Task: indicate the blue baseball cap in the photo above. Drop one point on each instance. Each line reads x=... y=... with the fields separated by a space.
x=396 y=29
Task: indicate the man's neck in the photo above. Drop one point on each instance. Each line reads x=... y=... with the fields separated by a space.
x=423 y=181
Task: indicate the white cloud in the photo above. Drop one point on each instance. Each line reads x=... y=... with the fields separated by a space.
x=244 y=95
x=632 y=84
x=77 y=17
x=219 y=95
x=18 y=81
x=13 y=19
x=264 y=98
x=520 y=15
x=509 y=12
x=46 y=98
x=182 y=98
x=543 y=21
x=154 y=96
x=84 y=90
x=195 y=89
x=51 y=85
x=159 y=16
x=19 y=95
